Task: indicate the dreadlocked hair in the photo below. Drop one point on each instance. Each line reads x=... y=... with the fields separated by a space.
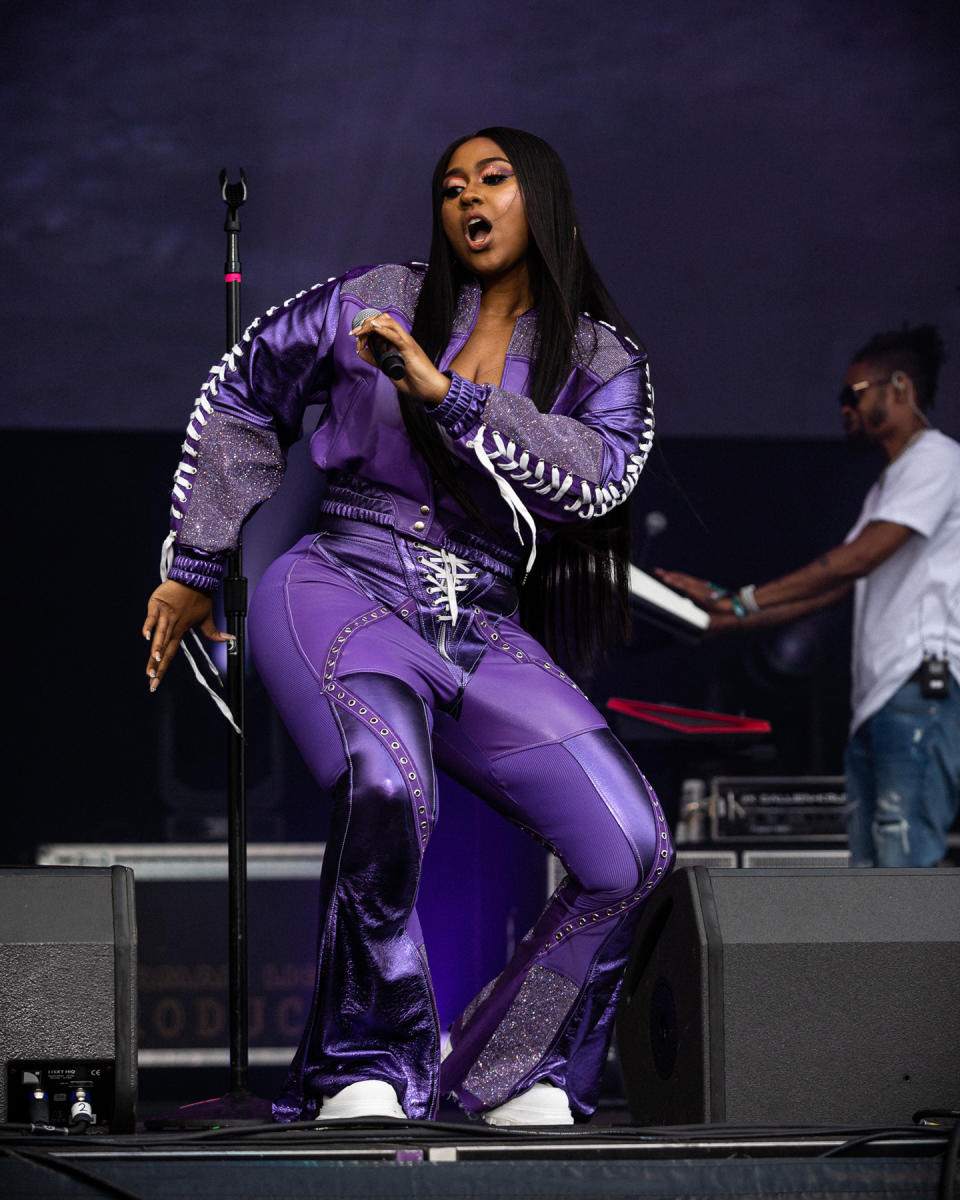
x=918 y=352
x=576 y=598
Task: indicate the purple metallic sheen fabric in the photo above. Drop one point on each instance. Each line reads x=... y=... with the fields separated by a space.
x=388 y=660
x=584 y=933
x=459 y=411
x=198 y=569
x=376 y=686
x=301 y=354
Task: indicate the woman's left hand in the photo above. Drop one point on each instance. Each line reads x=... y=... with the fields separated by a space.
x=421 y=379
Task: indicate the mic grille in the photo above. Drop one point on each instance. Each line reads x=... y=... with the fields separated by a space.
x=362 y=316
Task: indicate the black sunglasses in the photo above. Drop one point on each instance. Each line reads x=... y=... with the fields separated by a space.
x=850 y=396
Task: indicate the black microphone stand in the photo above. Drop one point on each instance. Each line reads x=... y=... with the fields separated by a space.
x=239 y=1104
x=235 y=611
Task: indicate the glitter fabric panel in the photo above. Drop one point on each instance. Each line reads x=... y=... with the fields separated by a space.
x=238 y=467
x=577 y=461
x=392 y=285
x=523 y=341
x=601 y=351
x=250 y=408
x=574 y=463
x=523 y=1036
x=468 y=305
x=562 y=441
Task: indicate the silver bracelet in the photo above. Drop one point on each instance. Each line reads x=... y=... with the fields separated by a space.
x=748 y=598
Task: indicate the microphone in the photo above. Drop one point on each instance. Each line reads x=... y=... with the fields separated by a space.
x=389 y=359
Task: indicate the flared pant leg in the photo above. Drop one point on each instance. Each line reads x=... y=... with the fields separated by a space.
x=348 y=677
x=531 y=744
x=371 y=704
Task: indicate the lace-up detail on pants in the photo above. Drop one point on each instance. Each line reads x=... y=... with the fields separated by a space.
x=446 y=576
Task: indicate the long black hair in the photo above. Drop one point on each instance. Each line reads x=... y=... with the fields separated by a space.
x=577 y=595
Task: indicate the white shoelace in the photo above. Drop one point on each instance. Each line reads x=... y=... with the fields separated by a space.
x=510 y=497
x=446 y=574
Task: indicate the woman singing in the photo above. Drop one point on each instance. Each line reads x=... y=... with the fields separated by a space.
x=487 y=481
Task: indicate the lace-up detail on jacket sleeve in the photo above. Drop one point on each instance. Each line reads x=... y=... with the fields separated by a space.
x=561 y=468
x=248 y=412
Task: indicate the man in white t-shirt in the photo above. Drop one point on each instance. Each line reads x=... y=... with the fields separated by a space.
x=902 y=558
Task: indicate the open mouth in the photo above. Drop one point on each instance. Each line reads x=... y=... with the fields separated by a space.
x=478 y=230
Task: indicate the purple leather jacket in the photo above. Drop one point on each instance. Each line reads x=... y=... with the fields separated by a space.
x=528 y=470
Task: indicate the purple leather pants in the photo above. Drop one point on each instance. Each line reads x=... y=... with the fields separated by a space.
x=387 y=659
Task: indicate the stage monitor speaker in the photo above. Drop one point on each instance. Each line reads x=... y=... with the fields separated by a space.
x=68 y=1000
x=793 y=997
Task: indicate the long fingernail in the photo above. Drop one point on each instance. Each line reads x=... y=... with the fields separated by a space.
x=154 y=684
x=152 y=673
x=156 y=657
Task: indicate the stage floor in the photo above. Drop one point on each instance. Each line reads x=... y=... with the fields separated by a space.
x=459 y=1158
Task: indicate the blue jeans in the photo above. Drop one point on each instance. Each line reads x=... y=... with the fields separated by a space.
x=903 y=780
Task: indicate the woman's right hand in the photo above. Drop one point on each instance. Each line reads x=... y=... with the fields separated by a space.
x=172 y=611
x=421 y=378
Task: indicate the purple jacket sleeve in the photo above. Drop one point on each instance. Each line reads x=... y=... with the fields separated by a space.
x=248 y=413
x=562 y=468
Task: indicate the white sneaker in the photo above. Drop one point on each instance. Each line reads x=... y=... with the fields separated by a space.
x=368 y=1098
x=541 y=1104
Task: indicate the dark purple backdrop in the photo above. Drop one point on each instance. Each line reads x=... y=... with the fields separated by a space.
x=762 y=184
